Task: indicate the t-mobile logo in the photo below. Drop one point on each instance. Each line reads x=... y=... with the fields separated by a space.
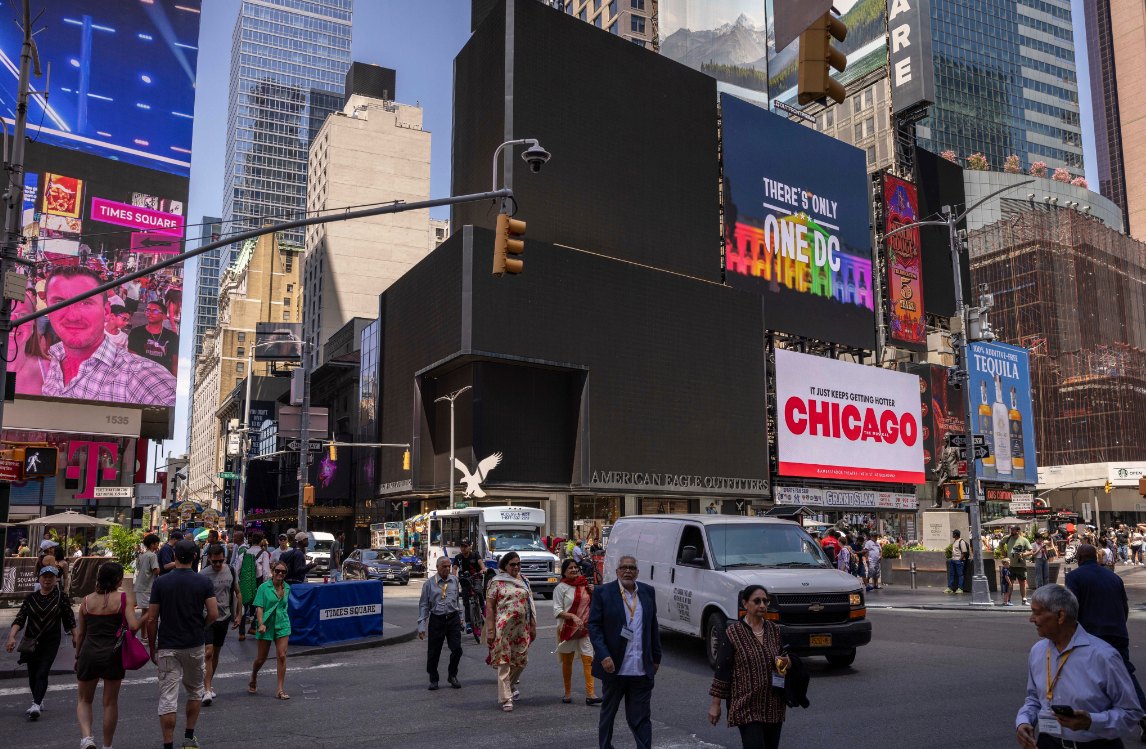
x=93 y=464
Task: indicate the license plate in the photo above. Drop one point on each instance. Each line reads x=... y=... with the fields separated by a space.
x=552 y=579
x=820 y=641
x=391 y=577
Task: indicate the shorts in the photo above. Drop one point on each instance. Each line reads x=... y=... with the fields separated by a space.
x=1019 y=573
x=216 y=634
x=142 y=600
x=186 y=665
x=873 y=570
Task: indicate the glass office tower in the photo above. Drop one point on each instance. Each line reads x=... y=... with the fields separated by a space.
x=288 y=68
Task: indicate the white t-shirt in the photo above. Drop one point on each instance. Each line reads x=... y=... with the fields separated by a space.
x=1136 y=539
x=873 y=551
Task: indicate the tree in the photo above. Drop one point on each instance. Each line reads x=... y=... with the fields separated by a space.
x=124 y=544
x=950 y=156
x=1039 y=169
x=1062 y=175
x=1012 y=165
x=978 y=162
x=1080 y=182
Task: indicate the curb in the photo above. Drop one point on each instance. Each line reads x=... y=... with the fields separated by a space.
x=995 y=608
x=338 y=647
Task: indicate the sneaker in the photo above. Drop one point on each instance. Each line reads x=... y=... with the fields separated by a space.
x=868 y=589
x=959 y=592
x=1008 y=603
x=34 y=712
x=191 y=743
x=87 y=743
x=207 y=698
x=948 y=590
x=469 y=630
x=454 y=682
x=433 y=685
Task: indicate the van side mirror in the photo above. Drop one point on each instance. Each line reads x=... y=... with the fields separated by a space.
x=688 y=555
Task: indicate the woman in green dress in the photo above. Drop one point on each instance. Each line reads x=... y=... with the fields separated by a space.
x=273 y=625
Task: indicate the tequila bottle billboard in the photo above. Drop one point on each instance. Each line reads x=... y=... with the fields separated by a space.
x=1004 y=421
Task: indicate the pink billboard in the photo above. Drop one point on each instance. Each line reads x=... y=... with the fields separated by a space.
x=110 y=212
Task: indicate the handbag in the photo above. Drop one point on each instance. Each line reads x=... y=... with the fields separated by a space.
x=27 y=645
x=132 y=651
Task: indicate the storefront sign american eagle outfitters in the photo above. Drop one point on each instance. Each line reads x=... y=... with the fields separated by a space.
x=679 y=482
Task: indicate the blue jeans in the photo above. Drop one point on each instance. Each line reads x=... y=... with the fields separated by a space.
x=1042 y=573
x=955 y=574
x=1124 y=552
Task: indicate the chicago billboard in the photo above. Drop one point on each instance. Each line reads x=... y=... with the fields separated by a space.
x=727 y=39
x=90 y=220
x=123 y=82
x=1001 y=393
x=906 y=326
x=796 y=224
x=838 y=420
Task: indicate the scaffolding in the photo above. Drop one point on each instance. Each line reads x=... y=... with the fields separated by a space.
x=1072 y=292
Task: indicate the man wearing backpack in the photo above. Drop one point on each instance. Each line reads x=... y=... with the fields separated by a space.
x=960 y=551
x=254 y=570
x=229 y=602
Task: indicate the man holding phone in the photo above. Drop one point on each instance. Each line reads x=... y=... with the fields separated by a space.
x=1078 y=689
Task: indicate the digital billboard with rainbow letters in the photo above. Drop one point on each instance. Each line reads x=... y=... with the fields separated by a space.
x=797 y=227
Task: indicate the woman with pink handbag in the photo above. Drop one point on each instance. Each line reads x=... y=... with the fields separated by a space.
x=103 y=650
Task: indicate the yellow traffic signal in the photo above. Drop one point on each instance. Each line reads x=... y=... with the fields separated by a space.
x=406 y=461
x=817 y=56
x=333 y=452
x=308 y=496
x=507 y=241
x=1108 y=487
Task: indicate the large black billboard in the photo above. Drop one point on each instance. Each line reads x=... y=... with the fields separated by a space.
x=635 y=167
x=940 y=183
x=797 y=225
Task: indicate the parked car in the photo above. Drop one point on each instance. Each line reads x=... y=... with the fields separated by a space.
x=376 y=564
x=417 y=566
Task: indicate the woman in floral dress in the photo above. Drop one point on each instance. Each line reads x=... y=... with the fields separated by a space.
x=509 y=603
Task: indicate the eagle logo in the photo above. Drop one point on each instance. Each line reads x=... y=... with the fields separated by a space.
x=473 y=480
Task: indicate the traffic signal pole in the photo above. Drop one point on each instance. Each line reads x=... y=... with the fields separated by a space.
x=980 y=590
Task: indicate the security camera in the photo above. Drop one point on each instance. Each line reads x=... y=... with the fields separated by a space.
x=1030 y=196
x=536 y=156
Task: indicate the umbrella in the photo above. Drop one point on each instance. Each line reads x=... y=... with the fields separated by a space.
x=202 y=533
x=815 y=523
x=1005 y=521
x=70 y=518
x=1070 y=527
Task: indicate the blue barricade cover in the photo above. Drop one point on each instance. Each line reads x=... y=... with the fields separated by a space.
x=324 y=613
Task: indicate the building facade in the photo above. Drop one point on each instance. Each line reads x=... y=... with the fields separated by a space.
x=1128 y=21
x=373 y=151
x=288 y=62
x=1104 y=104
x=439 y=231
x=262 y=285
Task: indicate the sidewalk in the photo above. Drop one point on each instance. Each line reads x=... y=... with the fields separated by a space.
x=932 y=598
x=399 y=625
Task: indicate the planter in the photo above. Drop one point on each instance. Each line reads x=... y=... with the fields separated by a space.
x=1055 y=570
x=930 y=569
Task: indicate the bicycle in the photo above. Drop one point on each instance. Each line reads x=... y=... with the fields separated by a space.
x=477 y=603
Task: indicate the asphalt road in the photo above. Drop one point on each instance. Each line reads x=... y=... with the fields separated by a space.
x=928 y=679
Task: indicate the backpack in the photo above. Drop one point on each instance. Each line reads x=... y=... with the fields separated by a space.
x=248 y=577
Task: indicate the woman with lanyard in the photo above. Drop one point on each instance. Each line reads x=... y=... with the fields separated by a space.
x=509 y=605
x=273 y=626
x=40 y=617
x=571 y=599
x=750 y=674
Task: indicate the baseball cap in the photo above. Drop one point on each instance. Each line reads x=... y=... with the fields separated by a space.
x=47 y=544
x=49 y=570
x=465 y=542
x=185 y=550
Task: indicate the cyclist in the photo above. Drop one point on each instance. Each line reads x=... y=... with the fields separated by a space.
x=469 y=567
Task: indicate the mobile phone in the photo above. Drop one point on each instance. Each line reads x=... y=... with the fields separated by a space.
x=1065 y=711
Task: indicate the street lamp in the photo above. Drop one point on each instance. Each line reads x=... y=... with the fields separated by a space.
x=451 y=398
x=980 y=592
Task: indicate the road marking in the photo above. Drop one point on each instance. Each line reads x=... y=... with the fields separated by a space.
x=13 y=691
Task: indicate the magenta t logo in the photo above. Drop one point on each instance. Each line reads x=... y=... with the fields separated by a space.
x=93 y=464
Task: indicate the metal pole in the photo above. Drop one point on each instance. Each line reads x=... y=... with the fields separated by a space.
x=452 y=452
x=240 y=503
x=980 y=591
x=304 y=442
x=14 y=196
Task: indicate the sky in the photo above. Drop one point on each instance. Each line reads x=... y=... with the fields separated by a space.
x=418 y=39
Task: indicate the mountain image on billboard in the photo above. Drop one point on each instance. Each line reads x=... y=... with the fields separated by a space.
x=725 y=39
x=1001 y=398
x=796 y=222
x=904 y=264
x=866 y=38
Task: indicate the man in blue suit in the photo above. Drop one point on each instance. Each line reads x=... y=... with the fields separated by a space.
x=626 y=652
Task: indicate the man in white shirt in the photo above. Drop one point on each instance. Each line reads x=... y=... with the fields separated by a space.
x=873 y=570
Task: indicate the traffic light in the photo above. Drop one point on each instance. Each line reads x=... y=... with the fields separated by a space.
x=406 y=461
x=308 y=496
x=333 y=452
x=507 y=241
x=817 y=57
x=40 y=461
x=1109 y=487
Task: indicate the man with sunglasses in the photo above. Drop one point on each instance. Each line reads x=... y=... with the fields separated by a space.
x=229 y=602
x=626 y=641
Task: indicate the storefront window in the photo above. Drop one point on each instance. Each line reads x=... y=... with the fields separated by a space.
x=661 y=506
x=592 y=515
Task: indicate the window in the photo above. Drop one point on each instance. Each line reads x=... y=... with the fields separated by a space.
x=871 y=155
x=240 y=351
x=238 y=381
x=869 y=126
x=778 y=545
x=597 y=21
x=867 y=98
x=613 y=8
x=286 y=315
x=596 y=5
x=637 y=23
x=692 y=538
x=286 y=300
x=638 y=42
x=242 y=336
x=290 y=287
x=613 y=28
x=289 y=262
x=859 y=131
x=638 y=4
x=440 y=232
x=857 y=104
x=583 y=15
x=239 y=366
x=831 y=117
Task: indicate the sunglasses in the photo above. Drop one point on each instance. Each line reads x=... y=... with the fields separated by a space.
x=278 y=572
x=513 y=564
x=217 y=561
x=630 y=567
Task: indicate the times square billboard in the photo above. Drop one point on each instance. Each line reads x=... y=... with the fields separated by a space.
x=1001 y=398
x=797 y=226
x=105 y=194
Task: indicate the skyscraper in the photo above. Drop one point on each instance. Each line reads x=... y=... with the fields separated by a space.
x=288 y=66
x=1104 y=104
x=207 y=281
x=1005 y=83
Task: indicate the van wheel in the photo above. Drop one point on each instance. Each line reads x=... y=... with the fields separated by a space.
x=717 y=623
x=842 y=661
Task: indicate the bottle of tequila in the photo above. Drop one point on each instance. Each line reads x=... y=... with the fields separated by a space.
x=1002 y=423
x=1018 y=461
x=986 y=430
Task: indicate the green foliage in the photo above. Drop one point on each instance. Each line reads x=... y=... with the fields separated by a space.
x=947 y=551
x=784 y=79
x=916 y=547
x=68 y=545
x=891 y=551
x=123 y=544
x=865 y=22
x=1000 y=552
x=750 y=78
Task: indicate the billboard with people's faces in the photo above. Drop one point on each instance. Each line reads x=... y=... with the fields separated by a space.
x=87 y=221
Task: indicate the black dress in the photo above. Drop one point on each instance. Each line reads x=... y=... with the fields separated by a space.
x=100 y=656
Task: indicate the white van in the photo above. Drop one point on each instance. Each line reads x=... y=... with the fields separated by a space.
x=318 y=551
x=494 y=531
x=698 y=564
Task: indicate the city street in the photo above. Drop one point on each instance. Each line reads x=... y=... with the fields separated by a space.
x=929 y=678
